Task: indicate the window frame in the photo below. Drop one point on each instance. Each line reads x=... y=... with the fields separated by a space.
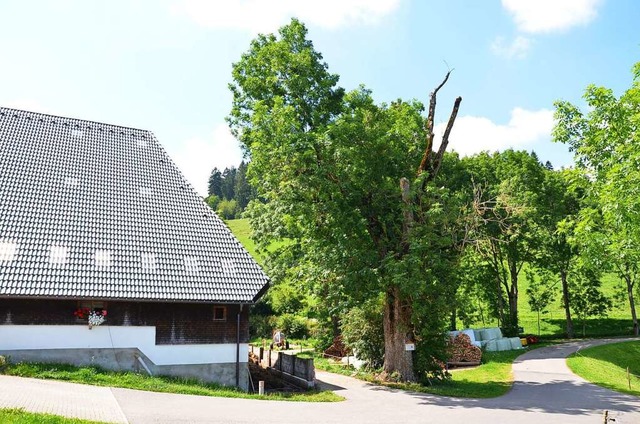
x=224 y=313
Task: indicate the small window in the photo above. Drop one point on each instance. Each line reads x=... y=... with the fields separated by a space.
x=71 y=182
x=103 y=258
x=58 y=255
x=87 y=306
x=93 y=305
x=228 y=266
x=191 y=264
x=7 y=251
x=149 y=262
x=146 y=191
x=219 y=313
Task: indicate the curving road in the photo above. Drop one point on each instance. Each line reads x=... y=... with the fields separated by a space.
x=544 y=391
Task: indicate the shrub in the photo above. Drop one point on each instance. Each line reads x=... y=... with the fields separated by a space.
x=363 y=333
x=430 y=357
x=213 y=201
x=293 y=326
x=228 y=209
x=260 y=326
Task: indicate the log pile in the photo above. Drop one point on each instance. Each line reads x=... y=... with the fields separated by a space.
x=461 y=350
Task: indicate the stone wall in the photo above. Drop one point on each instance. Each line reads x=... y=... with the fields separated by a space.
x=302 y=370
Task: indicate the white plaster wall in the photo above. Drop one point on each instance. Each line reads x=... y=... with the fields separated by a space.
x=17 y=337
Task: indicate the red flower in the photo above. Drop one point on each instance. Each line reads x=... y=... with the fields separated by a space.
x=81 y=313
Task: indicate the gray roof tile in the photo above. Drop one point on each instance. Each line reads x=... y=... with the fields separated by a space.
x=89 y=187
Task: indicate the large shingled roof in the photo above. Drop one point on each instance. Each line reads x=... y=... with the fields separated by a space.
x=90 y=210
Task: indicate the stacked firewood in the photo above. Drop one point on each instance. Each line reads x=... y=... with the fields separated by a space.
x=337 y=349
x=462 y=350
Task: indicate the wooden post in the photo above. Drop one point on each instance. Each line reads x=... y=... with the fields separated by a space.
x=261 y=387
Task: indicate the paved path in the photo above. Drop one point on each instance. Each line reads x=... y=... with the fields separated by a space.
x=545 y=391
x=60 y=398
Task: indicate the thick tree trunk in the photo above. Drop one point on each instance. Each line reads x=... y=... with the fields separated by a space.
x=566 y=301
x=632 y=303
x=397 y=331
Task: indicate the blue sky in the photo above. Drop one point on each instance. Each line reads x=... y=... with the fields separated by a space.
x=165 y=65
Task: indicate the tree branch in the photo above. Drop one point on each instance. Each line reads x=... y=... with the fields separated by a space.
x=429 y=127
x=445 y=136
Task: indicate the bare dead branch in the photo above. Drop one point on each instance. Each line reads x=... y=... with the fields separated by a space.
x=445 y=136
x=429 y=125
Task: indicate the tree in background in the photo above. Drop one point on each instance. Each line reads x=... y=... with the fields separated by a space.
x=357 y=188
x=243 y=191
x=588 y=300
x=541 y=291
x=606 y=143
x=229 y=183
x=215 y=183
x=505 y=216
x=230 y=191
x=564 y=192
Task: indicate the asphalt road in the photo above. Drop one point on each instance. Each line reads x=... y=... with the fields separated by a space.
x=544 y=392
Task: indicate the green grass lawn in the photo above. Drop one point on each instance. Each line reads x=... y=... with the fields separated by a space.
x=99 y=377
x=492 y=378
x=606 y=366
x=19 y=416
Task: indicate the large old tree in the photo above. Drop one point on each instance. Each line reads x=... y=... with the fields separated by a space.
x=358 y=189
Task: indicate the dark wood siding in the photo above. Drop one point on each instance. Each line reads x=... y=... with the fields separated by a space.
x=176 y=323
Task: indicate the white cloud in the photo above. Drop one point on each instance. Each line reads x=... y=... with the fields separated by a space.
x=197 y=156
x=474 y=134
x=266 y=16
x=542 y=16
x=517 y=49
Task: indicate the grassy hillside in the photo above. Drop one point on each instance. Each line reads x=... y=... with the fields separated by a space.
x=242 y=230
x=614 y=366
x=617 y=322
